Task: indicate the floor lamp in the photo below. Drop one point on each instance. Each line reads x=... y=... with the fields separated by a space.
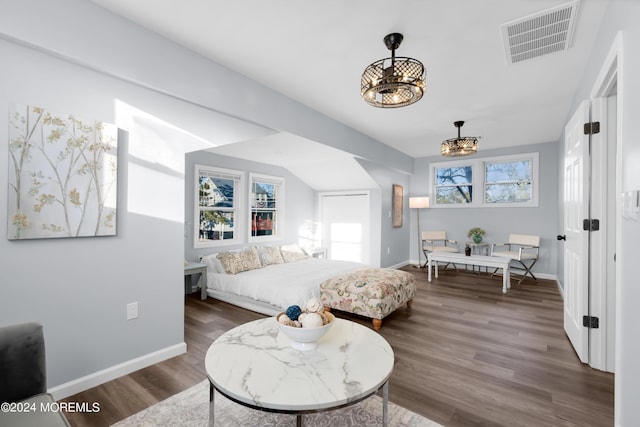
x=418 y=203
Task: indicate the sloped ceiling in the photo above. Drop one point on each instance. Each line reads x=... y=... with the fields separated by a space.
x=315 y=52
x=322 y=168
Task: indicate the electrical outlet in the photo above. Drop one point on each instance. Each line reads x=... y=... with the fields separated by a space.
x=132 y=310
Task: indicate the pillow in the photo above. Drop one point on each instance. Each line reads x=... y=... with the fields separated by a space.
x=237 y=262
x=213 y=263
x=270 y=255
x=291 y=253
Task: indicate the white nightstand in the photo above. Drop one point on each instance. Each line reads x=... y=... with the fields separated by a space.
x=194 y=268
x=316 y=252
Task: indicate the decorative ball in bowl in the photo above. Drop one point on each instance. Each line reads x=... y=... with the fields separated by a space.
x=304 y=338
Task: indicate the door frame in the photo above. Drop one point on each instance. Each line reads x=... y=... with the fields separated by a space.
x=604 y=345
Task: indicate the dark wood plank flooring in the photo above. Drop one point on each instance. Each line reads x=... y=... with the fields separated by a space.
x=466 y=355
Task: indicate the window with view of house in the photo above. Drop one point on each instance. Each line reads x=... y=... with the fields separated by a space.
x=496 y=181
x=218 y=196
x=266 y=206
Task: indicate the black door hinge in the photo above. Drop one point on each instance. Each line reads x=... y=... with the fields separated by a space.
x=590 y=322
x=591 y=128
x=591 y=224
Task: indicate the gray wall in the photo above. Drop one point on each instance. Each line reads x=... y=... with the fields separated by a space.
x=393 y=241
x=299 y=199
x=622 y=16
x=57 y=57
x=497 y=222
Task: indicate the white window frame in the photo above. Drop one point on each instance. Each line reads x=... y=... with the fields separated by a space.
x=238 y=206
x=478 y=167
x=278 y=212
x=447 y=165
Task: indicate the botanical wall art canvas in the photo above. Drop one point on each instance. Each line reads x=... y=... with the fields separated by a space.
x=397 y=205
x=62 y=175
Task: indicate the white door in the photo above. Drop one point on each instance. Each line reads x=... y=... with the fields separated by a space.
x=346 y=226
x=576 y=245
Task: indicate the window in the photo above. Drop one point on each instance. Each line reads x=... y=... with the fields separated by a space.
x=218 y=194
x=454 y=185
x=508 y=182
x=266 y=201
x=503 y=181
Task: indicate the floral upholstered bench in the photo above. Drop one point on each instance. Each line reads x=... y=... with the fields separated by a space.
x=369 y=292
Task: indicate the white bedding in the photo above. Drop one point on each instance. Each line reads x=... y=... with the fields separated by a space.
x=280 y=285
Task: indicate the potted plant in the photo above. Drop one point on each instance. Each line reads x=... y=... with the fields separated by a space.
x=476 y=234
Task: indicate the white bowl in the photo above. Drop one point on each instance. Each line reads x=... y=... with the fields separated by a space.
x=305 y=339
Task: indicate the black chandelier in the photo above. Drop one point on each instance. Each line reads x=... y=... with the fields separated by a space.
x=460 y=146
x=393 y=82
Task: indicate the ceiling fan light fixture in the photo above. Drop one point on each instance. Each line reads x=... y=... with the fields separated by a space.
x=460 y=146
x=393 y=82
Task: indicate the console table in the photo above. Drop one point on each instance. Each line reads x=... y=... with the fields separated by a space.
x=479 y=260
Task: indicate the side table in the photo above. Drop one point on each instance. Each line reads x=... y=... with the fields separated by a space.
x=481 y=248
x=317 y=252
x=195 y=268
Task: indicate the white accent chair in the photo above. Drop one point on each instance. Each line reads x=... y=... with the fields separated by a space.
x=523 y=248
x=436 y=241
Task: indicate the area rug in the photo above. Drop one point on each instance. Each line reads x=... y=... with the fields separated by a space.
x=191 y=408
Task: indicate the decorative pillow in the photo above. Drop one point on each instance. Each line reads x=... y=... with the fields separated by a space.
x=213 y=263
x=270 y=255
x=291 y=253
x=237 y=262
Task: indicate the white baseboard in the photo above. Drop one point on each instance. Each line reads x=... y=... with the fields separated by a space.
x=396 y=266
x=560 y=288
x=84 y=383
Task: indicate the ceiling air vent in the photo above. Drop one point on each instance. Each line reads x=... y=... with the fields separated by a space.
x=544 y=32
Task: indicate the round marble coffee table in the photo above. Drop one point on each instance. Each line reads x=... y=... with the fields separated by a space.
x=255 y=366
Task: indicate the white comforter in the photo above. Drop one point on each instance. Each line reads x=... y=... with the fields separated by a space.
x=282 y=285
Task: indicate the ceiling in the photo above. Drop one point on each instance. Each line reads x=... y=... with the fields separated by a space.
x=315 y=52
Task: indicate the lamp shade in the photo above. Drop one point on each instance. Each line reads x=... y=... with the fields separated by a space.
x=418 y=202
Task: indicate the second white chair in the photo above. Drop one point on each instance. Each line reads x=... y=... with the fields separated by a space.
x=523 y=248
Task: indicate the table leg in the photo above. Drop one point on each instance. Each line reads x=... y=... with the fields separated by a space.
x=299 y=420
x=203 y=285
x=508 y=274
x=436 y=269
x=505 y=279
x=211 y=404
x=385 y=401
x=429 y=270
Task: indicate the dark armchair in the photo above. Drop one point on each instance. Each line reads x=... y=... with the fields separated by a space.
x=23 y=377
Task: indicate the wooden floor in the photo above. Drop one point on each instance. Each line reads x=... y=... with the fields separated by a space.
x=466 y=355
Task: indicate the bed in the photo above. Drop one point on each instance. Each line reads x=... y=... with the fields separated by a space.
x=269 y=279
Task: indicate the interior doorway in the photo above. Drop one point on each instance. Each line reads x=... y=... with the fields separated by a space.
x=346 y=225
